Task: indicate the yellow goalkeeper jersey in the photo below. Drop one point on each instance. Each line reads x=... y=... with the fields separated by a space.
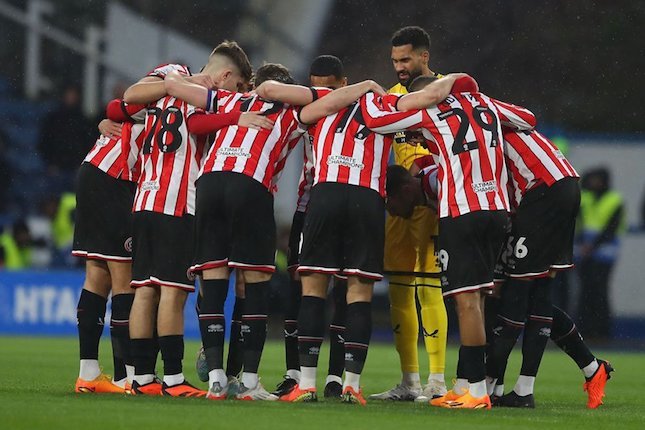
x=405 y=154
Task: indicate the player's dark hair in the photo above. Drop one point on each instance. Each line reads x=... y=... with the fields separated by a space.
x=412 y=35
x=397 y=177
x=236 y=54
x=420 y=82
x=327 y=65
x=273 y=72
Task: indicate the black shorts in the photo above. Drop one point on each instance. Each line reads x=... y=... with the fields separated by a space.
x=103 y=218
x=295 y=240
x=234 y=223
x=344 y=231
x=162 y=250
x=469 y=246
x=541 y=238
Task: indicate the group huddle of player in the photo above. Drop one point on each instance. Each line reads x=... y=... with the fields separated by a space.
x=180 y=186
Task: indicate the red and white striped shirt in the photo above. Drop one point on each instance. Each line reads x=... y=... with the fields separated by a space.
x=117 y=156
x=465 y=138
x=532 y=160
x=170 y=160
x=259 y=154
x=348 y=152
x=170 y=157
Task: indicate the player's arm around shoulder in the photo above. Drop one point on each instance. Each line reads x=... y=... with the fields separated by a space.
x=196 y=94
x=430 y=95
x=296 y=95
x=337 y=100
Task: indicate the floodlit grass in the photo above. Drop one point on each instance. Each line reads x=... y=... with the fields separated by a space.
x=37 y=376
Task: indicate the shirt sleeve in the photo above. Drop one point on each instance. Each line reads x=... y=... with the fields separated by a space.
x=163 y=69
x=515 y=117
x=120 y=111
x=202 y=123
x=380 y=114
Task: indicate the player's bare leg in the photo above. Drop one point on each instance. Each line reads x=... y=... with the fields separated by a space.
x=122 y=298
x=143 y=345
x=90 y=313
x=254 y=329
x=212 y=325
x=311 y=329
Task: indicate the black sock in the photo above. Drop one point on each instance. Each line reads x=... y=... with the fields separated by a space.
x=291 y=325
x=211 y=321
x=311 y=329
x=120 y=333
x=172 y=353
x=460 y=364
x=236 y=341
x=473 y=362
x=357 y=335
x=491 y=309
x=90 y=313
x=254 y=323
x=508 y=327
x=566 y=335
x=337 y=329
x=538 y=326
x=144 y=355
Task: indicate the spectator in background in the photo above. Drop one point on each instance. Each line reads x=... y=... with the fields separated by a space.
x=5 y=173
x=601 y=221
x=65 y=137
x=15 y=247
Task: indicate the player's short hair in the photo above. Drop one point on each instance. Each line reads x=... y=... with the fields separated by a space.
x=231 y=50
x=327 y=65
x=420 y=82
x=273 y=72
x=412 y=35
x=396 y=177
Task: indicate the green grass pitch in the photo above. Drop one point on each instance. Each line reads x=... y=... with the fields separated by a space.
x=37 y=377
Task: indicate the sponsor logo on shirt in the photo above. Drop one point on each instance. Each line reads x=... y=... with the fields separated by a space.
x=344 y=160
x=233 y=152
x=484 y=187
x=102 y=141
x=150 y=186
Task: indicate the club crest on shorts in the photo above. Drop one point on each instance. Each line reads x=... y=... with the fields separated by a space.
x=127 y=245
x=190 y=275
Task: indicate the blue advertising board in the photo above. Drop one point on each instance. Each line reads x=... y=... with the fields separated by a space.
x=44 y=303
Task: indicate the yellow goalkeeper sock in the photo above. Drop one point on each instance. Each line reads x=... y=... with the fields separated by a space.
x=405 y=325
x=435 y=325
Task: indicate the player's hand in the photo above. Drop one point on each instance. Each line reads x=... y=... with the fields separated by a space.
x=255 y=121
x=203 y=80
x=376 y=88
x=456 y=76
x=110 y=128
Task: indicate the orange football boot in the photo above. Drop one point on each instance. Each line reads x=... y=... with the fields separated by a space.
x=297 y=395
x=150 y=389
x=101 y=384
x=448 y=397
x=595 y=386
x=351 y=396
x=467 y=401
x=185 y=389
